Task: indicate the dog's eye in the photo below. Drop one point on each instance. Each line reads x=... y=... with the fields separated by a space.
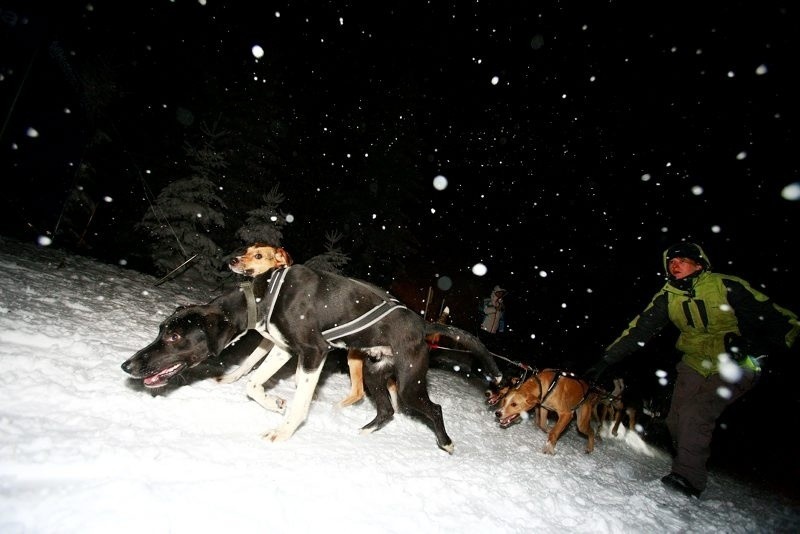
x=259 y=256
x=172 y=337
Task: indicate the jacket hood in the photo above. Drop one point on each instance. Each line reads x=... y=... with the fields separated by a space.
x=686 y=250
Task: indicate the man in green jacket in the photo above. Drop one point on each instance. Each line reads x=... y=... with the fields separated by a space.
x=725 y=326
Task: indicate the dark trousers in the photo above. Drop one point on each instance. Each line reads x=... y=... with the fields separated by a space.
x=696 y=406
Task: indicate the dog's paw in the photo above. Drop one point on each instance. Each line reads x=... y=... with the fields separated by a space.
x=282 y=433
x=273 y=403
x=549 y=448
x=274 y=436
x=347 y=401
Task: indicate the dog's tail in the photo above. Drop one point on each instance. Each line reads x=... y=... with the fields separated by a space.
x=472 y=344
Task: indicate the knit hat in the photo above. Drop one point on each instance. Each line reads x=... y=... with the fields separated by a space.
x=687 y=250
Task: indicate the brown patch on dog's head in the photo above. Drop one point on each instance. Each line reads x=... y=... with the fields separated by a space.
x=517 y=400
x=259 y=258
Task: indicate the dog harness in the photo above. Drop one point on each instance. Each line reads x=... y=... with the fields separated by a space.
x=273 y=288
x=330 y=335
x=552 y=387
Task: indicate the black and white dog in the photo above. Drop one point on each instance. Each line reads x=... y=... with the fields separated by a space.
x=306 y=313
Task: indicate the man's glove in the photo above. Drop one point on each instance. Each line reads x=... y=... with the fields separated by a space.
x=737 y=346
x=593 y=373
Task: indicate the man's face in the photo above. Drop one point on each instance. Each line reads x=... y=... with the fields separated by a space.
x=680 y=268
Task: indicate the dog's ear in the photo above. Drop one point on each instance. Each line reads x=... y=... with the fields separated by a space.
x=531 y=399
x=217 y=330
x=282 y=257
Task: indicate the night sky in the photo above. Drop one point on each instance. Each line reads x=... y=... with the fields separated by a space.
x=578 y=142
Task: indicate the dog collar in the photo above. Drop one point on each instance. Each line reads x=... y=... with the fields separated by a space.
x=273 y=288
x=247 y=289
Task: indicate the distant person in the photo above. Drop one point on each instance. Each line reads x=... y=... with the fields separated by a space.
x=493 y=324
x=725 y=326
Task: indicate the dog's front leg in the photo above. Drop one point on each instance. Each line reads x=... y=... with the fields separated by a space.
x=264 y=347
x=541 y=418
x=276 y=359
x=617 y=420
x=555 y=433
x=301 y=403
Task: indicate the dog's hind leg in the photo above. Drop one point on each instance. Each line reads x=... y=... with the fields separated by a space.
x=631 y=411
x=391 y=384
x=355 y=364
x=276 y=359
x=617 y=419
x=585 y=425
x=263 y=348
x=422 y=403
x=413 y=393
x=298 y=411
x=377 y=379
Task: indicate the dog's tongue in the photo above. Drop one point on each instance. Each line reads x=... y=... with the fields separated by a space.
x=160 y=378
x=508 y=420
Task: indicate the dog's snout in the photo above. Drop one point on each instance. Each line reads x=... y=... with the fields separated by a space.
x=126 y=366
x=498 y=414
x=234 y=261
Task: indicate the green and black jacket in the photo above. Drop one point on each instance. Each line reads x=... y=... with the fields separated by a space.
x=705 y=307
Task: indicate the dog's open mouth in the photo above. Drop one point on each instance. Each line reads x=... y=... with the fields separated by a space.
x=239 y=270
x=162 y=377
x=508 y=421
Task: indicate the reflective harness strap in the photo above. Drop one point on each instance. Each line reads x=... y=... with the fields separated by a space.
x=273 y=288
x=356 y=325
x=365 y=321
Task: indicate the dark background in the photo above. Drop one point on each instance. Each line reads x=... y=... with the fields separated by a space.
x=615 y=129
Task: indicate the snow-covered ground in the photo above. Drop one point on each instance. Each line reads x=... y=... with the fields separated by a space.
x=85 y=449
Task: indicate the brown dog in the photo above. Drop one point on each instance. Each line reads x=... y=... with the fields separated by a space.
x=260 y=258
x=550 y=390
x=613 y=406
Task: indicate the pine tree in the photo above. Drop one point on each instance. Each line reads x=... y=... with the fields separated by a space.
x=186 y=213
x=333 y=259
x=265 y=223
